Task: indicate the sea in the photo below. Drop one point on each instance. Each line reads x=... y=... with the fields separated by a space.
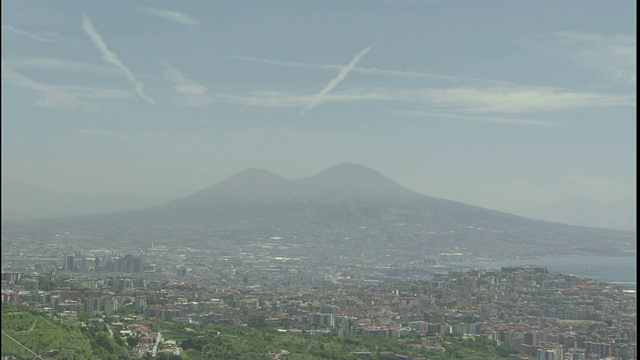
x=611 y=269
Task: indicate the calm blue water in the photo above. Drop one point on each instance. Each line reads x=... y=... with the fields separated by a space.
x=618 y=269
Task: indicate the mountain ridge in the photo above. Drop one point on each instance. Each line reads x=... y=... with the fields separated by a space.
x=351 y=197
x=254 y=186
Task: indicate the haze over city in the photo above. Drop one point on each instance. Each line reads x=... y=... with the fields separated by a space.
x=478 y=102
x=319 y=180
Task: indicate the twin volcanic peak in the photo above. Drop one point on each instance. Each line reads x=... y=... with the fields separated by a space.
x=350 y=196
x=344 y=181
x=350 y=199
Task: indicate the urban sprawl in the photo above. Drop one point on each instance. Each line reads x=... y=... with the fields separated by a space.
x=546 y=315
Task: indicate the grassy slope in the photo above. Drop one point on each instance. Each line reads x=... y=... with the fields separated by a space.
x=40 y=334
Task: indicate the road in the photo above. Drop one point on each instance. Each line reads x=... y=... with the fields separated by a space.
x=155 y=345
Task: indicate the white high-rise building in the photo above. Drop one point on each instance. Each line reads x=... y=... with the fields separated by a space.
x=110 y=305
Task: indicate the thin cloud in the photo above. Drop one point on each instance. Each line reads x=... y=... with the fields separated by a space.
x=478 y=100
x=57 y=64
x=494 y=119
x=25 y=33
x=52 y=97
x=520 y=100
x=110 y=57
x=283 y=99
x=369 y=70
x=174 y=16
x=338 y=79
x=191 y=93
x=60 y=96
x=611 y=56
x=286 y=63
x=270 y=99
x=97 y=93
x=503 y=99
x=614 y=56
x=477 y=95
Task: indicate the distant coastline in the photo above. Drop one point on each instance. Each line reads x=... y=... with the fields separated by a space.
x=612 y=269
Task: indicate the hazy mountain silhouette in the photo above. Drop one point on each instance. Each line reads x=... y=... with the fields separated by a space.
x=341 y=182
x=248 y=186
x=350 y=196
x=348 y=192
x=352 y=181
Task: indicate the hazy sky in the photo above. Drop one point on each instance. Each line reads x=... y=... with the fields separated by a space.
x=508 y=105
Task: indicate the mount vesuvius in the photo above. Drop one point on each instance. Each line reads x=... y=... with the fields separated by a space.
x=346 y=200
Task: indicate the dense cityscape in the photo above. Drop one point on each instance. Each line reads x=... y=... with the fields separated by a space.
x=545 y=315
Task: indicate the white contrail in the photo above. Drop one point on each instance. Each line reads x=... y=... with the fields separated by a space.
x=170 y=15
x=191 y=93
x=368 y=70
x=25 y=33
x=52 y=96
x=110 y=57
x=338 y=79
x=496 y=119
x=286 y=63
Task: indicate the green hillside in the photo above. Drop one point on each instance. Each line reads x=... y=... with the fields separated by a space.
x=217 y=341
x=52 y=339
x=55 y=339
x=44 y=336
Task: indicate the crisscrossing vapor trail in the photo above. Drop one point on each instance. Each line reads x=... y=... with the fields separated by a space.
x=317 y=99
